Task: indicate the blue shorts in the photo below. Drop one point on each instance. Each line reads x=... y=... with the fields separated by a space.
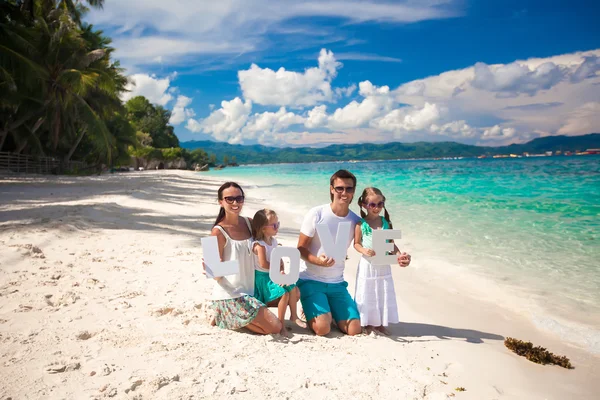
x=319 y=298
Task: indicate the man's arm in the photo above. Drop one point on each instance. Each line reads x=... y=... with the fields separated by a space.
x=304 y=245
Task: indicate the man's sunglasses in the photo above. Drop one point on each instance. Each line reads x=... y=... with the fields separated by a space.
x=341 y=189
x=275 y=225
x=231 y=199
x=381 y=204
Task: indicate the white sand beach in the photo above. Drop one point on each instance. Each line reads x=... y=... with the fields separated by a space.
x=102 y=296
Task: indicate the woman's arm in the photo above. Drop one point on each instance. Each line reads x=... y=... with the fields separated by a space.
x=221 y=241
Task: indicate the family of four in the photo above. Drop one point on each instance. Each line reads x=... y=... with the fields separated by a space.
x=242 y=300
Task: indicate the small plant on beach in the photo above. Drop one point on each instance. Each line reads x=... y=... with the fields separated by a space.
x=536 y=354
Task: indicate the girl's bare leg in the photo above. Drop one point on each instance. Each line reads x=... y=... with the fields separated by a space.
x=281 y=307
x=265 y=323
x=382 y=329
x=294 y=297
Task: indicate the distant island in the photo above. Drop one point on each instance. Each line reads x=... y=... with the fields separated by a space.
x=258 y=154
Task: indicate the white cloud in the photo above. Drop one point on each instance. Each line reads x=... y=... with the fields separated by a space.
x=269 y=122
x=345 y=92
x=186 y=28
x=513 y=79
x=533 y=97
x=288 y=88
x=225 y=123
x=588 y=69
x=498 y=133
x=317 y=117
x=410 y=119
x=519 y=101
x=180 y=113
x=366 y=57
x=585 y=119
x=377 y=100
x=454 y=129
x=149 y=86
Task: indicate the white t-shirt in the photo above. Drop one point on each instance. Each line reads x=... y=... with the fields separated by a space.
x=268 y=250
x=324 y=215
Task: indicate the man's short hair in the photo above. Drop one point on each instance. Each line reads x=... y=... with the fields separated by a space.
x=342 y=174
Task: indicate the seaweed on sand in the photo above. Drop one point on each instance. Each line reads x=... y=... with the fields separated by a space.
x=536 y=354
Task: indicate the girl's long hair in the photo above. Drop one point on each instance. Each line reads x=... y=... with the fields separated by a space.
x=363 y=198
x=260 y=219
x=224 y=186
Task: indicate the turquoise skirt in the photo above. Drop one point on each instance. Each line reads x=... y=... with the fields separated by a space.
x=265 y=290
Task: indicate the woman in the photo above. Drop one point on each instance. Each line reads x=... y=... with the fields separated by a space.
x=232 y=302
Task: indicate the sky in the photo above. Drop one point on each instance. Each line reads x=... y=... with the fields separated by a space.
x=313 y=73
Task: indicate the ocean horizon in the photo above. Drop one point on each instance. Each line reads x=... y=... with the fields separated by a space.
x=525 y=231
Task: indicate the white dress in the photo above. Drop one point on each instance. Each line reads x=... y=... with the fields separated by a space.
x=375 y=295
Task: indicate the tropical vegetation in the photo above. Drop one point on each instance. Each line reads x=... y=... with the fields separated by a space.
x=61 y=90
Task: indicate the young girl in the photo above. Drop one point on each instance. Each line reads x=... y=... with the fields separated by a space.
x=265 y=225
x=375 y=295
x=232 y=303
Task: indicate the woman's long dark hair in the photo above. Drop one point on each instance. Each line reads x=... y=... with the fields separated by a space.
x=224 y=186
x=375 y=192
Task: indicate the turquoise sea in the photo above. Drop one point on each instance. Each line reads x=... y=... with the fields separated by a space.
x=530 y=226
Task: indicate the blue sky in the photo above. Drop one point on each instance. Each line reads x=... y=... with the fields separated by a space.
x=319 y=72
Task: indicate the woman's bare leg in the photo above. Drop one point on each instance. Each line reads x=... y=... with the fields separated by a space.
x=265 y=323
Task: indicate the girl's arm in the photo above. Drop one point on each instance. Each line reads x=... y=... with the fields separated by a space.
x=261 y=252
x=358 y=243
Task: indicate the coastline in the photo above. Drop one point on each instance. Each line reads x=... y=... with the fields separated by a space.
x=121 y=261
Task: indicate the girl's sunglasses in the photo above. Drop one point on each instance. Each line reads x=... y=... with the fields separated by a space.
x=381 y=204
x=275 y=225
x=231 y=199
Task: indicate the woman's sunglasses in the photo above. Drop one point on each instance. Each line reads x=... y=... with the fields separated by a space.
x=231 y=199
x=341 y=189
x=381 y=204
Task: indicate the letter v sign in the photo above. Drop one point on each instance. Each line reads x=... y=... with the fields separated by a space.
x=338 y=249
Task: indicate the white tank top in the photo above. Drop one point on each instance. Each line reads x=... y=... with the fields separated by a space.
x=234 y=286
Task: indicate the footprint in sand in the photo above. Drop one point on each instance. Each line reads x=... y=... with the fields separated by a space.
x=166 y=310
x=84 y=335
x=30 y=250
x=60 y=367
x=66 y=299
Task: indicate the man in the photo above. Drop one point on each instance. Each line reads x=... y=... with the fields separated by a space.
x=323 y=291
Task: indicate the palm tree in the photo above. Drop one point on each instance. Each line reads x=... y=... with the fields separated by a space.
x=75 y=8
x=66 y=65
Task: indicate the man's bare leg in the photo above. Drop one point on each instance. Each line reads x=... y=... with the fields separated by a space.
x=350 y=327
x=321 y=325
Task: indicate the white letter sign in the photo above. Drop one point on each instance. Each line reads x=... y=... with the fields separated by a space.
x=336 y=250
x=381 y=246
x=214 y=266
x=274 y=271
